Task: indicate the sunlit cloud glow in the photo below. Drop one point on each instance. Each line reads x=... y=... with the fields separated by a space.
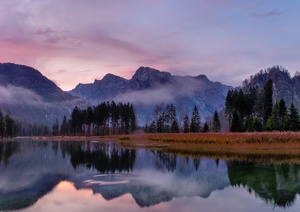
x=73 y=41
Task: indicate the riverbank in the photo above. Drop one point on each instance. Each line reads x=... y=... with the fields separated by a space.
x=262 y=147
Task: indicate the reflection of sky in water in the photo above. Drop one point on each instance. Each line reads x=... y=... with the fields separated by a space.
x=65 y=197
x=41 y=177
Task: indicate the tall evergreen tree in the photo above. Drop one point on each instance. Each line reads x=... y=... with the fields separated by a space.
x=9 y=125
x=205 y=128
x=229 y=106
x=186 y=124
x=216 y=125
x=235 y=125
x=76 y=121
x=174 y=127
x=64 y=127
x=195 y=121
x=267 y=100
x=273 y=123
x=160 y=124
x=55 y=128
x=293 y=123
x=2 y=125
x=283 y=115
x=89 y=119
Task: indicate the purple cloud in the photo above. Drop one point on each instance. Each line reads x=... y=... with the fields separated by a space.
x=216 y=38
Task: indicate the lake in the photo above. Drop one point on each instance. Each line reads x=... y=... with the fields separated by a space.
x=102 y=176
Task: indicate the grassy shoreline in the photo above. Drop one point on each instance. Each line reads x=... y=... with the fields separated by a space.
x=258 y=147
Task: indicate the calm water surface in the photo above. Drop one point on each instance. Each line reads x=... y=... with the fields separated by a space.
x=97 y=176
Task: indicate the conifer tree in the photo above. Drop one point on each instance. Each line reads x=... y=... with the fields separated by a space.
x=205 y=127
x=216 y=125
x=2 y=125
x=9 y=125
x=186 y=124
x=293 y=123
x=268 y=100
x=174 y=127
x=55 y=128
x=195 y=122
x=283 y=115
x=64 y=127
x=235 y=125
x=273 y=123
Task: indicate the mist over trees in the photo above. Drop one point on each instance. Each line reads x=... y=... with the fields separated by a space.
x=253 y=110
x=166 y=121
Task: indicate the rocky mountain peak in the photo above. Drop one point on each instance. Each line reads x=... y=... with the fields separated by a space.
x=284 y=86
x=146 y=77
x=144 y=73
x=202 y=77
x=111 y=77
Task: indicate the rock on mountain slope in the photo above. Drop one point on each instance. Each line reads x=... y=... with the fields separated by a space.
x=284 y=86
x=150 y=88
x=32 y=97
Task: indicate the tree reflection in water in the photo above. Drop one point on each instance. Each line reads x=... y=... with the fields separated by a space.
x=7 y=149
x=104 y=157
x=275 y=184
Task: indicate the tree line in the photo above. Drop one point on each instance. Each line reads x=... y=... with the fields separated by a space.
x=253 y=110
x=103 y=119
x=166 y=122
x=7 y=125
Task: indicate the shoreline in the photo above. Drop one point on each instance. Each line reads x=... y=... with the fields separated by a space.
x=258 y=147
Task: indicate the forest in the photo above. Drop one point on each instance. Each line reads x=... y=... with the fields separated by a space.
x=103 y=119
x=166 y=122
x=253 y=110
x=6 y=125
x=246 y=110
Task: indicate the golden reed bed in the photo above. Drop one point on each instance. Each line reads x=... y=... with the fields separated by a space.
x=258 y=147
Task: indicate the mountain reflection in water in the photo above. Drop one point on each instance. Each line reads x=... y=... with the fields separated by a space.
x=29 y=170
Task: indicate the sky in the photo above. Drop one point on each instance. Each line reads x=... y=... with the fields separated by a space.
x=78 y=41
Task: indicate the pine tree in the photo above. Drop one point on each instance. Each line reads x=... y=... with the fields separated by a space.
x=160 y=124
x=132 y=116
x=293 y=123
x=282 y=112
x=76 y=121
x=55 y=128
x=268 y=100
x=174 y=127
x=195 y=122
x=216 y=127
x=229 y=106
x=89 y=119
x=2 y=125
x=273 y=121
x=64 y=127
x=235 y=125
x=186 y=124
x=205 y=127
x=9 y=125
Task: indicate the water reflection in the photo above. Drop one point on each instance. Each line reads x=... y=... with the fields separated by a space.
x=277 y=185
x=103 y=157
x=7 y=149
x=29 y=170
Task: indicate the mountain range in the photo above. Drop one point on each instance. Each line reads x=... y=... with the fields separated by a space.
x=32 y=97
x=150 y=89
x=284 y=86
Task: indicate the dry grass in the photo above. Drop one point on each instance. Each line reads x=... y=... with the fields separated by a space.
x=261 y=147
